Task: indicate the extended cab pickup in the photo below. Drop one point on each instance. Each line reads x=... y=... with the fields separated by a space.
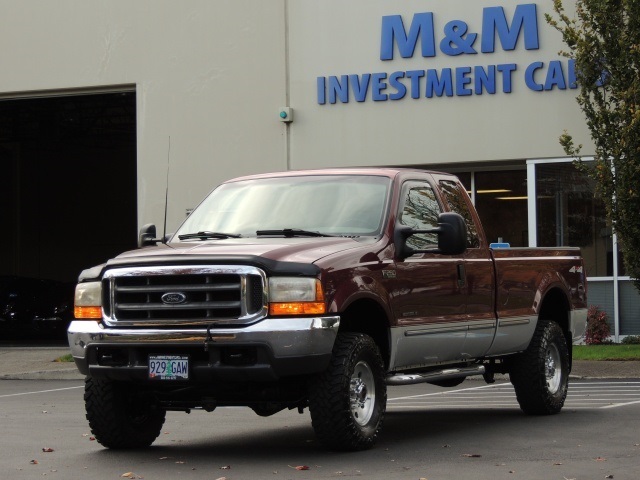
x=318 y=289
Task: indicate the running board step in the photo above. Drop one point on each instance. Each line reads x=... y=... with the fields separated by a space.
x=413 y=378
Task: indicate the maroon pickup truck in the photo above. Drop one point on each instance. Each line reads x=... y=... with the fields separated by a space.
x=318 y=289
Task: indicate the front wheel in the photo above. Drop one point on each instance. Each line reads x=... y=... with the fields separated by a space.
x=121 y=415
x=540 y=375
x=348 y=401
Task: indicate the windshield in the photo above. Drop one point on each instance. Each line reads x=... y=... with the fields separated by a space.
x=350 y=205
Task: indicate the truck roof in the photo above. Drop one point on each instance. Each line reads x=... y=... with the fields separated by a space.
x=377 y=171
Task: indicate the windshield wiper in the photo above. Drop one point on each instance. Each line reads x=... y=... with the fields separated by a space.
x=293 y=232
x=208 y=235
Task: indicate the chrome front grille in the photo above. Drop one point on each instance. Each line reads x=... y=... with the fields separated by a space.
x=184 y=295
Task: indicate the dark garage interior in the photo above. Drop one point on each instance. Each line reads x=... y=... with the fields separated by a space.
x=68 y=196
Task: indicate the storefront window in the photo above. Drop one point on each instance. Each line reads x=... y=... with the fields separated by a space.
x=569 y=214
x=501 y=201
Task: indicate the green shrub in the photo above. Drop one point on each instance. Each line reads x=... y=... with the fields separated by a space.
x=598 y=329
x=631 y=340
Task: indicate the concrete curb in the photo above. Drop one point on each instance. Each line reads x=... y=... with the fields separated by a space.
x=60 y=374
x=36 y=363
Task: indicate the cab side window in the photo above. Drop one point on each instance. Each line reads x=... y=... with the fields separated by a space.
x=455 y=198
x=419 y=210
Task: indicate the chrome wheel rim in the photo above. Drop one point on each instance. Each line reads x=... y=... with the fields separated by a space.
x=362 y=393
x=553 y=369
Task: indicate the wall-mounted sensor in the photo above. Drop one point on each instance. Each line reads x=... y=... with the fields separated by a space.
x=286 y=114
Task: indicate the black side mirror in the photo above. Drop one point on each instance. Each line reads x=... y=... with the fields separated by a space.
x=452 y=236
x=147 y=236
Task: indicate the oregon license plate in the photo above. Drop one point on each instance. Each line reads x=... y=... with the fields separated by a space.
x=168 y=367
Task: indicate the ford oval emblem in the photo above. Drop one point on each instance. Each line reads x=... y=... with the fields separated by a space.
x=173 y=298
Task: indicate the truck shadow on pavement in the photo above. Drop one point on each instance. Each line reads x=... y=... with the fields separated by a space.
x=461 y=430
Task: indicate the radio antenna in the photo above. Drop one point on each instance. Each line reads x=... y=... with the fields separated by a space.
x=166 y=195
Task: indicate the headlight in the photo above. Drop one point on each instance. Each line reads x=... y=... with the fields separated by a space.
x=296 y=296
x=88 y=301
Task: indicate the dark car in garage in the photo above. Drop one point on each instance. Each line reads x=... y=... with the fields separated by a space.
x=34 y=307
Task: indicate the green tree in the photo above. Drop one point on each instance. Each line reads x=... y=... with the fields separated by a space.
x=603 y=37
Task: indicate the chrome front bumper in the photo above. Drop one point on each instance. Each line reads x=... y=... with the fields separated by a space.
x=284 y=346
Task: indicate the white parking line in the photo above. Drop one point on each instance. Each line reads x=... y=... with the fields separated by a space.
x=40 y=391
x=621 y=404
x=581 y=395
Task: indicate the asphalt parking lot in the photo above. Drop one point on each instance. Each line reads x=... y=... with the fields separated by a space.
x=473 y=431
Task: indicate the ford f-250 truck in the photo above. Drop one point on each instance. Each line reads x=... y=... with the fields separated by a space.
x=319 y=289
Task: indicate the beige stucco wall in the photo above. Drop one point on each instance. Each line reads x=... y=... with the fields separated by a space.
x=208 y=74
x=327 y=39
x=212 y=74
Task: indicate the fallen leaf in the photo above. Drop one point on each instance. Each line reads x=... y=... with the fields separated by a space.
x=47 y=450
x=471 y=455
x=34 y=462
x=130 y=475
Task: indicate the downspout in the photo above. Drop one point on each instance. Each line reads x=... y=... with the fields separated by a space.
x=287 y=86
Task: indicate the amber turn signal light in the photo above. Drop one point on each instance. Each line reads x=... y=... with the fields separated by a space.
x=297 y=308
x=87 y=313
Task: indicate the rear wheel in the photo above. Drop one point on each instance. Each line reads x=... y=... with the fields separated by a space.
x=348 y=401
x=540 y=375
x=121 y=415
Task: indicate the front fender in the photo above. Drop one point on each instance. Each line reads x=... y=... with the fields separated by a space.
x=346 y=287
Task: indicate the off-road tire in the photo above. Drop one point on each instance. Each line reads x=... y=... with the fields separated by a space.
x=120 y=415
x=348 y=401
x=540 y=375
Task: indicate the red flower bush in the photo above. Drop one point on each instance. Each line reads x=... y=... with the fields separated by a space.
x=598 y=329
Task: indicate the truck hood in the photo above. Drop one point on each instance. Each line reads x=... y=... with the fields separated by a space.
x=298 y=249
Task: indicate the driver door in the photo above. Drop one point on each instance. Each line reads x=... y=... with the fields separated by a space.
x=427 y=299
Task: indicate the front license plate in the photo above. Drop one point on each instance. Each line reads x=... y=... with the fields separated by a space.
x=168 y=367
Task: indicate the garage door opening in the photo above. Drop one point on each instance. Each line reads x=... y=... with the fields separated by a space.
x=68 y=185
